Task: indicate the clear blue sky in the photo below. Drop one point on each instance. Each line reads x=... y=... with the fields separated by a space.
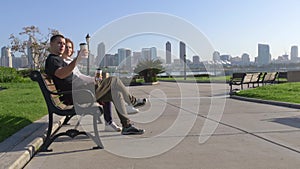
x=232 y=26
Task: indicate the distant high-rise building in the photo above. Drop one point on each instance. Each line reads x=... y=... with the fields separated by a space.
x=110 y=60
x=124 y=58
x=24 y=61
x=264 y=56
x=16 y=61
x=182 y=53
x=196 y=59
x=30 y=54
x=294 y=53
x=153 y=53
x=146 y=54
x=234 y=61
x=92 y=61
x=10 y=63
x=149 y=53
x=100 y=59
x=216 y=56
x=128 y=59
x=245 y=59
x=168 y=53
x=6 y=57
x=115 y=59
x=136 y=57
x=3 y=58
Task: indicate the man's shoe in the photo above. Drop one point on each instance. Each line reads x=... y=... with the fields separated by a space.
x=140 y=102
x=112 y=127
x=131 y=130
x=131 y=110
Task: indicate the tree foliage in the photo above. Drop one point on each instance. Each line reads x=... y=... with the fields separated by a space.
x=31 y=38
x=149 y=69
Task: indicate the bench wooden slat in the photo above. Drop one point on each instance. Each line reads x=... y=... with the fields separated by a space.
x=51 y=87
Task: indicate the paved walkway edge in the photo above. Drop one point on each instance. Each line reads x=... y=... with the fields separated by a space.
x=284 y=104
x=21 y=153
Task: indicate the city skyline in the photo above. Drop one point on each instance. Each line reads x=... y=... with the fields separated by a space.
x=128 y=58
x=232 y=27
x=170 y=49
x=168 y=57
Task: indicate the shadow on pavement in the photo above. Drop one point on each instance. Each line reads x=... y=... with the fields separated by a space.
x=289 y=121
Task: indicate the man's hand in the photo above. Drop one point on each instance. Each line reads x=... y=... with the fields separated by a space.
x=82 y=54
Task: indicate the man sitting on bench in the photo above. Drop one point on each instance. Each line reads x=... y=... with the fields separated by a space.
x=109 y=89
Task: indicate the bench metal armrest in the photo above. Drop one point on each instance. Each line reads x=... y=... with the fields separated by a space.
x=83 y=96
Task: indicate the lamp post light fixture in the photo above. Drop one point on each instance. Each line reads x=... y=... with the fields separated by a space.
x=87 y=39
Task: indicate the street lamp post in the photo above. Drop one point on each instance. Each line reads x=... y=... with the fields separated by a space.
x=184 y=68
x=87 y=39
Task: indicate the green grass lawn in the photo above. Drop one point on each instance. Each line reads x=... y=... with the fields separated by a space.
x=285 y=92
x=20 y=105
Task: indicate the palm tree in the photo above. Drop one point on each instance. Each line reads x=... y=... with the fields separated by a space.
x=149 y=69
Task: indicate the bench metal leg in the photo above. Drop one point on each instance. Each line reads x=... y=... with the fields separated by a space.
x=96 y=120
x=47 y=140
x=96 y=137
x=230 y=91
x=72 y=133
x=67 y=119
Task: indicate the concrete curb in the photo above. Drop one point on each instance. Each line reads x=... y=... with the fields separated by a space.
x=150 y=83
x=283 y=104
x=17 y=150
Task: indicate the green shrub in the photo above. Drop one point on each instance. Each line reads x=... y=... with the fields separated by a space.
x=8 y=74
x=24 y=73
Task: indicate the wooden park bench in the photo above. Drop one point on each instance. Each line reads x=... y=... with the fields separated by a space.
x=55 y=106
x=242 y=79
x=281 y=77
x=269 y=78
x=237 y=80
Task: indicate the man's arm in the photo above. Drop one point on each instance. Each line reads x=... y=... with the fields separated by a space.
x=64 y=72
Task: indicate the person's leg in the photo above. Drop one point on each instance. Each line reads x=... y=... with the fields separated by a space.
x=112 y=89
x=129 y=99
x=115 y=84
x=118 y=101
x=118 y=86
x=107 y=112
x=110 y=125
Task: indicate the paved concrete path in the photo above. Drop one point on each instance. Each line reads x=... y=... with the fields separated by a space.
x=188 y=126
